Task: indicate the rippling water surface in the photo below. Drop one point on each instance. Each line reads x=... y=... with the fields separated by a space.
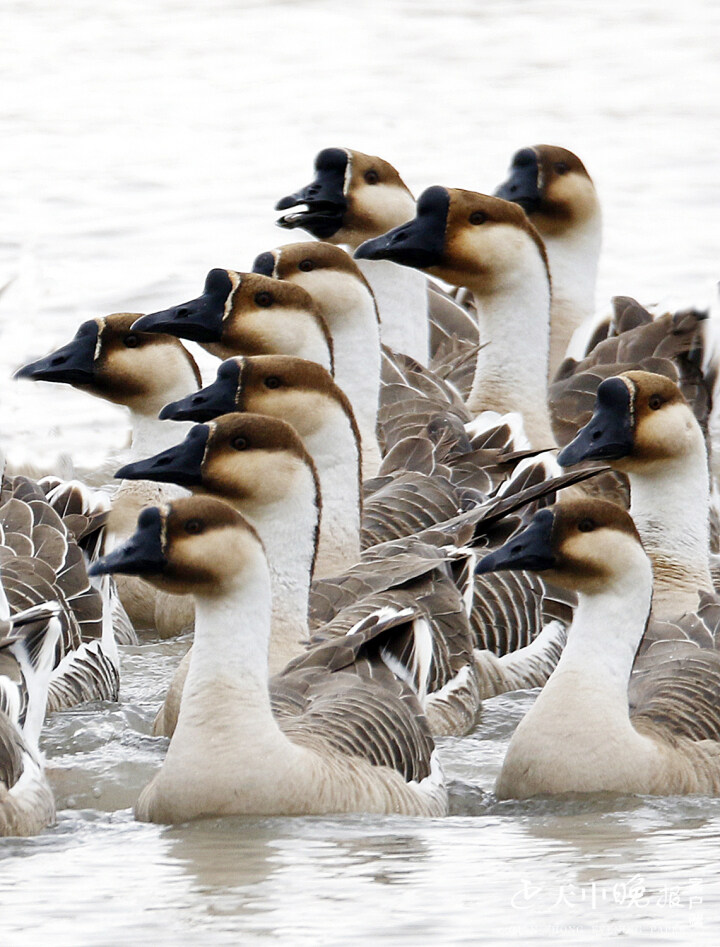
x=144 y=143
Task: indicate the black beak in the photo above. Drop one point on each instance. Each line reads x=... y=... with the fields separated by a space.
x=521 y=186
x=608 y=435
x=264 y=264
x=181 y=464
x=141 y=554
x=201 y=319
x=418 y=243
x=73 y=364
x=530 y=549
x=218 y=398
x=324 y=198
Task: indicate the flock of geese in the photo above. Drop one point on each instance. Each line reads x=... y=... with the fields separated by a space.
x=355 y=516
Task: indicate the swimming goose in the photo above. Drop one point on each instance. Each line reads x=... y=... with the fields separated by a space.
x=318 y=742
x=643 y=426
x=581 y=735
x=303 y=394
x=354 y=197
x=346 y=303
x=28 y=640
x=142 y=371
x=489 y=246
x=258 y=465
x=553 y=187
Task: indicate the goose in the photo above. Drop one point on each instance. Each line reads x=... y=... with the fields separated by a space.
x=259 y=466
x=28 y=640
x=487 y=245
x=317 y=742
x=582 y=735
x=142 y=371
x=553 y=187
x=643 y=426
x=354 y=197
x=303 y=394
x=347 y=304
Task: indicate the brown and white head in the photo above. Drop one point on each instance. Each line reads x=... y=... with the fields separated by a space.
x=641 y=422
x=327 y=272
x=112 y=360
x=295 y=390
x=256 y=463
x=196 y=545
x=248 y=314
x=583 y=545
x=554 y=188
x=467 y=239
x=352 y=198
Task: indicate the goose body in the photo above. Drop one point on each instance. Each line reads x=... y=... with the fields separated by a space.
x=320 y=744
x=27 y=644
x=581 y=734
x=554 y=188
x=141 y=371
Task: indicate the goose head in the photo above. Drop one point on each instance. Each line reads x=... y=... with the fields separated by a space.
x=466 y=239
x=248 y=314
x=196 y=545
x=327 y=272
x=581 y=545
x=352 y=198
x=553 y=187
x=295 y=390
x=640 y=420
x=112 y=360
x=249 y=460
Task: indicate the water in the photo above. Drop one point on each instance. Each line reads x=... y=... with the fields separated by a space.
x=144 y=144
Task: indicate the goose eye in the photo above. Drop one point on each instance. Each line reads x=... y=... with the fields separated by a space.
x=272 y=381
x=478 y=217
x=560 y=167
x=193 y=527
x=239 y=443
x=371 y=176
x=264 y=299
x=131 y=341
x=655 y=402
x=587 y=525
x=306 y=266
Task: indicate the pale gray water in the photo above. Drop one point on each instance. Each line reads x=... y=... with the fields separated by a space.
x=144 y=143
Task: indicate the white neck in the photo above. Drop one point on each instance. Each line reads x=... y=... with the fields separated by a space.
x=151 y=436
x=606 y=630
x=349 y=310
x=287 y=530
x=511 y=368
x=573 y=261
x=670 y=503
x=334 y=450
x=230 y=661
x=402 y=301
